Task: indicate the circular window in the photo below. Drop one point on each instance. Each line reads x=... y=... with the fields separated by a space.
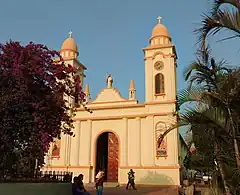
x=158 y=65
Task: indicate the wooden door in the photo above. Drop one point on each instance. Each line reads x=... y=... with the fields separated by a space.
x=113 y=155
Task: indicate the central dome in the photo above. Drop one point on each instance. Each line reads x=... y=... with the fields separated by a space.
x=70 y=44
x=160 y=30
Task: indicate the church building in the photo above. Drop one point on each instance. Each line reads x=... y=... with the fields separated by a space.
x=122 y=134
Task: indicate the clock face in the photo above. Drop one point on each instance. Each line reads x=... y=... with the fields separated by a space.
x=158 y=65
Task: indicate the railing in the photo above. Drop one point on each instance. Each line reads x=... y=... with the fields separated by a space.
x=39 y=177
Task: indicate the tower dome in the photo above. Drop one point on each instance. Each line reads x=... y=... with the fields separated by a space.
x=160 y=34
x=69 y=44
x=69 y=48
x=160 y=30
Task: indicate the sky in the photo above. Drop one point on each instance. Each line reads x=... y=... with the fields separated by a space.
x=110 y=34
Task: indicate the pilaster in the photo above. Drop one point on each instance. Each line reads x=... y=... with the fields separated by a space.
x=126 y=141
x=69 y=140
x=65 y=141
x=90 y=141
x=78 y=139
x=138 y=120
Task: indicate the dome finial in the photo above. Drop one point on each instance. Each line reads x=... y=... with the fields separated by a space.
x=70 y=33
x=159 y=19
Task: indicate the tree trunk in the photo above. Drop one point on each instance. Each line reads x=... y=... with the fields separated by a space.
x=234 y=138
x=236 y=152
x=220 y=166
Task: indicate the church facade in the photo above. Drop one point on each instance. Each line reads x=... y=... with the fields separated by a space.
x=121 y=133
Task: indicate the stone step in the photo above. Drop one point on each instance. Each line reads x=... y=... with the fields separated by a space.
x=111 y=184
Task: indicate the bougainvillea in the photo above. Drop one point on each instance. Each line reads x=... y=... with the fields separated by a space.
x=33 y=106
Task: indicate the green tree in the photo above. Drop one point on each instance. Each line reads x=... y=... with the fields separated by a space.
x=33 y=109
x=208 y=108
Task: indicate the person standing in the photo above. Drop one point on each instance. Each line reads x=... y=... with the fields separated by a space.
x=99 y=182
x=131 y=178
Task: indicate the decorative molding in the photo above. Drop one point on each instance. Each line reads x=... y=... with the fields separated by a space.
x=125 y=105
x=67 y=167
x=160 y=46
x=121 y=116
x=150 y=167
x=122 y=101
x=121 y=167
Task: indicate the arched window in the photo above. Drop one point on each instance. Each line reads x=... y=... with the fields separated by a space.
x=159 y=84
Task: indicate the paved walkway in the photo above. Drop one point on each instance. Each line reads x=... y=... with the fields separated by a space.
x=139 y=191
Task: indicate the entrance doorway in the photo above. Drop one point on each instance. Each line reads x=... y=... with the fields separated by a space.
x=107 y=156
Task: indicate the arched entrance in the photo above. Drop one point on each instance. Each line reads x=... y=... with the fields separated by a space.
x=107 y=155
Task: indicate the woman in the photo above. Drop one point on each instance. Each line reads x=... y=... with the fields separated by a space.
x=78 y=187
x=75 y=188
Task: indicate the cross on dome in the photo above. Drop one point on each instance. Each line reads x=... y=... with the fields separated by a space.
x=70 y=33
x=159 y=19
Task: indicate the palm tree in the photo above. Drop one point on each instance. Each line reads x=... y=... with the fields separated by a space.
x=207 y=118
x=221 y=17
x=214 y=104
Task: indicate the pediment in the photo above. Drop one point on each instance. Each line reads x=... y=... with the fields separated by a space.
x=109 y=95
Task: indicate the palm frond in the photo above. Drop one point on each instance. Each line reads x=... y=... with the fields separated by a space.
x=212 y=118
x=222 y=20
x=218 y=3
x=188 y=96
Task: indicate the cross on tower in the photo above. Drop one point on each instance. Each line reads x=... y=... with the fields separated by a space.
x=159 y=19
x=70 y=33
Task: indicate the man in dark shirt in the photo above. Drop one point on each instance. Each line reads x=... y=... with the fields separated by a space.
x=131 y=178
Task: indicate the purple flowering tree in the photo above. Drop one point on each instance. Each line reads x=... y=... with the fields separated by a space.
x=33 y=110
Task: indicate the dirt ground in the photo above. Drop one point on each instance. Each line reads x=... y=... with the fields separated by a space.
x=140 y=191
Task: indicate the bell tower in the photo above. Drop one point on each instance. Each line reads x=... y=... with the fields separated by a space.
x=160 y=66
x=69 y=53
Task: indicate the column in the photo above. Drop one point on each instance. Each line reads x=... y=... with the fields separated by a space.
x=90 y=141
x=153 y=147
x=175 y=141
x=126 y=140
x=68 y=149
x=138 y=119
x=78 y=138
x=69 y=138
x=65 y=140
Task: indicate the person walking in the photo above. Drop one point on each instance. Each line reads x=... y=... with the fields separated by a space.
x=131 y=178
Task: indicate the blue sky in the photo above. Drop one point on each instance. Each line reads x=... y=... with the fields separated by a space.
x=110 y=33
